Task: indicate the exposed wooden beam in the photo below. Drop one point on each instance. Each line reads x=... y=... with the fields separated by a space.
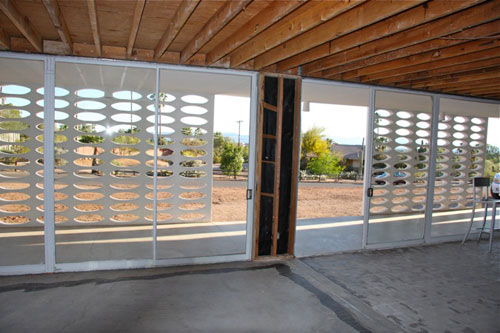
x=136 y=21
x=485 y=86
x=445 y=26
x=468 y=52
x=487 y=29
x=381 y=70
x=21 y=23
x=265 y=18
x=463 y=63
x=493 y=95
x=410 y=18
x=448 y=79
x=4 y=40
x=59 y=22
x=480 y=87
x=289 y=27
x=375 y=14
x=184 y=11
x=94 y=25
x=454 y=80
x=215 y=24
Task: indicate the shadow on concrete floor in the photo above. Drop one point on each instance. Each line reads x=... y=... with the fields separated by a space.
x=438 y=288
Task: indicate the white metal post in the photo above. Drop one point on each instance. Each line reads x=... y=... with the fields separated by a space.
x=155 y=166
x=368 y=166
x=48 y=164
x=432 y=169
x=254 y=92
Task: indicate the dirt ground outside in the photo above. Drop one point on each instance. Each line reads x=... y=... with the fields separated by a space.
x=229 y=202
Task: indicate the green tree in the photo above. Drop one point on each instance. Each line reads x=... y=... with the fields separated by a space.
x=492 y=163
x=313 y=144
x=231 y=159
x=493 y=153
x=219 y=142
x=325 y=164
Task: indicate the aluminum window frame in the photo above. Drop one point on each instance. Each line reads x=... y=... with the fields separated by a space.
x=50 y=264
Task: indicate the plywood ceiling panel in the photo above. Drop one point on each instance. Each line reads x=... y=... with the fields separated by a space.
x=202 y=14
x=38 y=17
x=250 y=11
x=77 y=17
x=155 y=20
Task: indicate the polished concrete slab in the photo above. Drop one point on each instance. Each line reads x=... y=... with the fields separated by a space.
x=438 y=288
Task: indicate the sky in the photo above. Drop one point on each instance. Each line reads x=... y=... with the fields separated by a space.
x=342 y=123
x=228 y=111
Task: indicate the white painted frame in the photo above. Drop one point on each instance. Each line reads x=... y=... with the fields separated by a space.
x=427 y=237
x=50 y=264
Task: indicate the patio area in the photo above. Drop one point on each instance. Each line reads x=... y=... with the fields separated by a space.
x=436 y=288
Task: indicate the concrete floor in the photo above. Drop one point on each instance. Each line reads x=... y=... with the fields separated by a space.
x=317 y=236
x=439 y=288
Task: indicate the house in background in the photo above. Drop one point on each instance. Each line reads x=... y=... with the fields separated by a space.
x=352 y=155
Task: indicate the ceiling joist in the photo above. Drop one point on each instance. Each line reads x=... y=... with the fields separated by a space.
x=184 y=11
x=434 y=45
x=267 y=17
x=484 y=86
x=407 y=19
x=213 y=26
x=456 y=79
x=366 y=14
x=21 y=23
x=4 y=40
x=136 y=21
x=473 y=51
x=450 y=75
x=59 y=22
x=94 y=25
x=454 y=68
x=289 y=27
x=448 y=25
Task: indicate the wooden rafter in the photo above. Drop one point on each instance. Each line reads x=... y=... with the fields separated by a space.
x=458 y=67
x=343 y=28
x=136 y=21
x=268 y=16
x=487 y=29
x=220 y=19
x=59 y=22
x=473 y=51
x=4 y=40
x=21 y=23
x=456 y=64
x=457 y=79
x=410 y=18
x=445 y=26
x=436 y=56
x=289 y=27
x=184 y=11
x=449 y=79
x=480 y=87
x=94 y=25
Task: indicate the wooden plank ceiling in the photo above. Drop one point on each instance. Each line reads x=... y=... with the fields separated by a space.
x=437 y=45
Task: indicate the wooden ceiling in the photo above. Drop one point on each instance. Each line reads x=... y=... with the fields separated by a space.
x=438 y=45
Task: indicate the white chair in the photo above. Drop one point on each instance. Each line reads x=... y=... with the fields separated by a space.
x=482 y=184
